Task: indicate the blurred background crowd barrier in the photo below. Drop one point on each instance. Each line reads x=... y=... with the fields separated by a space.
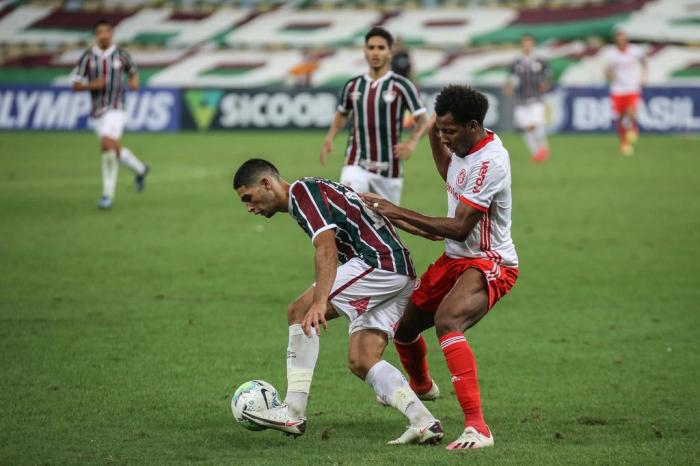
x=208 y=65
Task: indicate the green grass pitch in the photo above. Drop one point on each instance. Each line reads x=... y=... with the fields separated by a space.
x=124 y=333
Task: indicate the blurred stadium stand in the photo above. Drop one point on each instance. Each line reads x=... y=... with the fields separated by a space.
x=209 y=43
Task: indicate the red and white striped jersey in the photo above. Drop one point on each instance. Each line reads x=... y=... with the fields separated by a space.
x=114 y=65
x=377 y=114
x=481 y=179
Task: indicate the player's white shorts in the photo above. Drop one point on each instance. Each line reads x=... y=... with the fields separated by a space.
x=364 y=181
x=370 y=298
x=110 y=124
x=527 y=115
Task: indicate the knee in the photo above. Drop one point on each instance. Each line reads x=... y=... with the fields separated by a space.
x=359 y=366
x=404 y=333
x=445 y=324
x=295 y=313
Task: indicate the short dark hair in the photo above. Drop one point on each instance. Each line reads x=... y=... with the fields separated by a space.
x=464 y=103
x=251 y=171
x=381 y=32
x=102 y=22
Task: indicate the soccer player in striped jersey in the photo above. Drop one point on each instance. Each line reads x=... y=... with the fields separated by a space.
x=531 y=73
x=479 y=265
x=363 y=271
x=102 y=70
x=376 y=102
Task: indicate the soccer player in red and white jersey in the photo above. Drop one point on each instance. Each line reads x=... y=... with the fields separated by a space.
x=370 y=287
x=625 y=70
x=479 y=265
x=377 y=101
x=102 y=70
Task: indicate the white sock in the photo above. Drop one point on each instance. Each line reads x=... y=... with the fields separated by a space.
x=128 y=159
x=110 y=170
x=531 y=141
x=541 y=136
x=392 y=387
x=302 y=353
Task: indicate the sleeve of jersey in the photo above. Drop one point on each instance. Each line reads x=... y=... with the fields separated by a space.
x=411 y=97
x=310 y=208
x=344 y=105
x=80 y=72
x=129 y=63
x=483 y=183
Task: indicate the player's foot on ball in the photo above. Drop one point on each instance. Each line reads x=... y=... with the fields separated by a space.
x=431 y=395
x=627 y=149
x=277 y=418
x=471 y=439
x=429 y=434
x=140 y=180
x=104 y=203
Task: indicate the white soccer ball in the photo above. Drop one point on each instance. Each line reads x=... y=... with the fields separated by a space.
x=255 y=395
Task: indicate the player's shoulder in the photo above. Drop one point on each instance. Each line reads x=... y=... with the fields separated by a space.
x=353 y=79
x=402 y=80
x=497 y=152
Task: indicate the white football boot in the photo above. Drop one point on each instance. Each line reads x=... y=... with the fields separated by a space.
x=431 y=395
x=429 y=434
x=471 y=439
x=278 y=418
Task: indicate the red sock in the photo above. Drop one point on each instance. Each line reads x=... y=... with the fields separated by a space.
x=462 y=365
x=413 y=359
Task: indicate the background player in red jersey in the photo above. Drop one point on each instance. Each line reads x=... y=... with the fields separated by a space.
x=371 y=287
x=101 y=70
x=626 y=72
x=377 y=101
x=479 y=265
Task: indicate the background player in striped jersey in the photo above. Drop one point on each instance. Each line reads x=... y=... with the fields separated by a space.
x=625 y=70
x=377 y=101
x=530 y=75
x=371 y=287
x=102 y=70
x=479 y=265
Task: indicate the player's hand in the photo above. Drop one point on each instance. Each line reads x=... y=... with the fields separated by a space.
x=326 y=149
x=404 y=149
x=378 y=204
x=97 y=84
x=314 y=317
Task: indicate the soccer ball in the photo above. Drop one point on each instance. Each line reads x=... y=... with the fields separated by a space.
x=255 y=395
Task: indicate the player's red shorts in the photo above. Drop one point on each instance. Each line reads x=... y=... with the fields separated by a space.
x=623 y=102
x=442 y=275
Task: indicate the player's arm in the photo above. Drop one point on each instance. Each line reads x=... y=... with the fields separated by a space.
x=441 y=155
x=326 y=261
x=404 y=149
x=94 y=85
x=134 y=81
x=457 y=228
x=407 y=227
x=339 y=121
x=508 y=84
x=645 y=69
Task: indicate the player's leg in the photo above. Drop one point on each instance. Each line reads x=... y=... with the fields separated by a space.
x=621 y=121
x=369 y=334
x=632 y=125
x=110 y=165
x=412 y=350
x=542 y=154
x=462 y=308
x=114 y=122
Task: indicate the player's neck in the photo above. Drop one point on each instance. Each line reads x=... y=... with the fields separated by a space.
x=378 y=73
x=99 y=46
x=284 y=188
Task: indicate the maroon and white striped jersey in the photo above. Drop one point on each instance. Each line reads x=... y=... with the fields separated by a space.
x=482 y=180
x=377 y=114
x=114 y=65
x=319 y=205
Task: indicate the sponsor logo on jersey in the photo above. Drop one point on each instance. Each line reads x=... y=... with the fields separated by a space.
x=482 y=175
x=389 y=96
x=355 y=96
x=116 y=63
x=462 y=178
x=452 y=190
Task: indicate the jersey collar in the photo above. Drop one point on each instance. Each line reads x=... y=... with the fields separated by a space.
x=98 y=51
x=490 y=136
x=377 y=81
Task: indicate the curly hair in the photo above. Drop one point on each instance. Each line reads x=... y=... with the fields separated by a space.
x=464 y=103
x=251 y=171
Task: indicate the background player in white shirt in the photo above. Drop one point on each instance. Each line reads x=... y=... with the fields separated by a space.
x=625 y=70
x=102 y=70
x=479 y=265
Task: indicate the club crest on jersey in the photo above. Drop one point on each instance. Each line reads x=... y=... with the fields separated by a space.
x=462 y=178
x=389 y=96
x=116 y=64
x=355 y=96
